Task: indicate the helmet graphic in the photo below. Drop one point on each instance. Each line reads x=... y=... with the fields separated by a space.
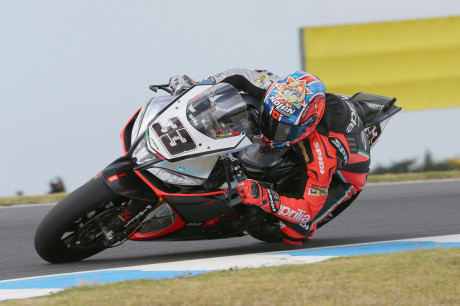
x=293 y=107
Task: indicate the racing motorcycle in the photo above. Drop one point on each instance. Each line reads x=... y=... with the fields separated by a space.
x=183 y=156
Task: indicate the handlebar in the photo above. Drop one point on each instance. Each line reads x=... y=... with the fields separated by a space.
x=164 y=87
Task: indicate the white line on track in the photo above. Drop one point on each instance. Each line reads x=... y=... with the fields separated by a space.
x=42 y=285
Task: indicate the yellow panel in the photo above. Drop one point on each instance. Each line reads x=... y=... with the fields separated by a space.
x=418 y=61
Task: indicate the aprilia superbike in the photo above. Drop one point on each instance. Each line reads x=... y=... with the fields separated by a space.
x=183 y=156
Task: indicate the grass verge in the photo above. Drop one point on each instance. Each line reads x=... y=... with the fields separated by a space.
x=413 y=176
x=47 y=198
x=426 y=277
x=373 y=178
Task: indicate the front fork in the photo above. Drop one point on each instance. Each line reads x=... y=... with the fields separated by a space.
x=140 y=198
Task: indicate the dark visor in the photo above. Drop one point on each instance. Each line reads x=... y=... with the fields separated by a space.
x=280 y=132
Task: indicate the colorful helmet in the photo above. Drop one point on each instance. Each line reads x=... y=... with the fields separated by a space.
x=293 y=107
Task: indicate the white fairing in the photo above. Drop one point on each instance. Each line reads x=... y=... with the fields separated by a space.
x=173 y=136
x=204 y=144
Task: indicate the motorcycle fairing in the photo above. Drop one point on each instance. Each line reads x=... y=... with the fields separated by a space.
x=378 y=111
x=186 y=140
x=126 y=135
x=172 y=199
x=185 y=134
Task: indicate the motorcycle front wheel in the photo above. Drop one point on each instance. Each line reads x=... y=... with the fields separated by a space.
x=73 y=229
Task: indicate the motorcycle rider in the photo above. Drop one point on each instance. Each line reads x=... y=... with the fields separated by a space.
x=326 y=134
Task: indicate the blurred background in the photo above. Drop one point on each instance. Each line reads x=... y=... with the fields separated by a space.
x=73 y=72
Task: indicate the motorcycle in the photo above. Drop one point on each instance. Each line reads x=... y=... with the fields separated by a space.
x=183 y=156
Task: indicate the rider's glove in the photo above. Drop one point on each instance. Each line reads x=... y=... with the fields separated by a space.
x=251 y=192
x=179 y=83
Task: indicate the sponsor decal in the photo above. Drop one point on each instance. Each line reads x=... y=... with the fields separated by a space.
x=339 y=146
x=320 y=157
x=281 y=107
x=125 y=215
x=374 y=106
x=353 y=119
x=274 y=199
x=138 y=216
x=297 y=216
x=115 y=177
x=261 y=79
x=191 y=171
x=222 y=134
x=316 y=190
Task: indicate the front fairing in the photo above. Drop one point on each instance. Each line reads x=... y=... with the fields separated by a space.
x=179 y=138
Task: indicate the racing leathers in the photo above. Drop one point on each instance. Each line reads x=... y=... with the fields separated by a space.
x=332 y=163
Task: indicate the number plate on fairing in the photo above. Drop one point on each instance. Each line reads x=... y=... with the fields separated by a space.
x=174 y=137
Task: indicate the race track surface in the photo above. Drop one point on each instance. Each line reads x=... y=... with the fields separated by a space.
x=382 y=212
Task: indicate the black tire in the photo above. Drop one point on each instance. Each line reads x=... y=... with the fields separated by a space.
x=63 y=216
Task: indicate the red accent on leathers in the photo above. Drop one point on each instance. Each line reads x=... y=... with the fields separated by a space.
x=253 y=193
x=320 y=171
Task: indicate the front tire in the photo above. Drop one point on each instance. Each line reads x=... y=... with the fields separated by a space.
x=56 y=229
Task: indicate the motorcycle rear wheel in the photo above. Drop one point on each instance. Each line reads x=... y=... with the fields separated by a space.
x=53 y=238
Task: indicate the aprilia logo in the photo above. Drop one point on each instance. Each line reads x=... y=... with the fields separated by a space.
x=320 y=157
x=297 y=216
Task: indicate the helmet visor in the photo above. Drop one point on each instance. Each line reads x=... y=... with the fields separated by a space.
x=280 y=132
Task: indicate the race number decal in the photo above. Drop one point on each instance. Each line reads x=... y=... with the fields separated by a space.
x=174 y=137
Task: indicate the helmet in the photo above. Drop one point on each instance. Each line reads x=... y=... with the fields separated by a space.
x=293 y=107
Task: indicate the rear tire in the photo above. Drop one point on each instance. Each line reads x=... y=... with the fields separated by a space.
x=49 y=237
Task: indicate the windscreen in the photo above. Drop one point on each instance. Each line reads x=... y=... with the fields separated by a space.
x=219 y=112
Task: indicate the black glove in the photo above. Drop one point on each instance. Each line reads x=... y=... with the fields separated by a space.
x=179 y=83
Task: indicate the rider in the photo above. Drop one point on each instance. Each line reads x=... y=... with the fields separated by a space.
x=325 y=132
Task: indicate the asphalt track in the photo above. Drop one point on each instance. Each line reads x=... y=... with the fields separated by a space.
x=382 y=212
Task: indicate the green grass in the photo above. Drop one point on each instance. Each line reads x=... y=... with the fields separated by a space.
x=47 y=198
x=413 y=176
x=422 y=277
x=373 y=178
